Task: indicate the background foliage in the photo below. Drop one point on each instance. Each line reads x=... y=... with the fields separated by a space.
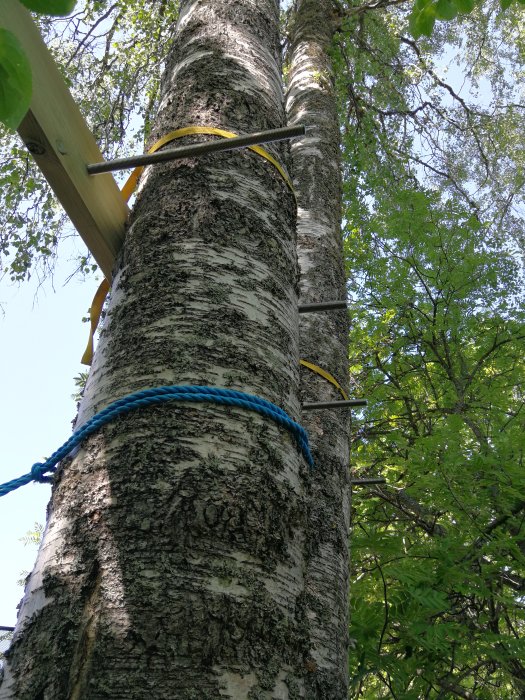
x=433 y=165
x=112 y=56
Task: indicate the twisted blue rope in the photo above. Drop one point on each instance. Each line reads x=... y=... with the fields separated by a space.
x=149 y=397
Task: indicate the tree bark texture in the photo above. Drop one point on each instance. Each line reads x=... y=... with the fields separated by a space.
x=323 y=341
x=172 y=563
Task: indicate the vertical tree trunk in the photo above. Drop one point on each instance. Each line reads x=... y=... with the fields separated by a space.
x=323 y=341
x=172 y=562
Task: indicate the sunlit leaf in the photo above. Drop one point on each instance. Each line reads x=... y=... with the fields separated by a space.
x=424 y=22
x=15 y=80
x=446 y=9
x=465 y=6
x=50 y=7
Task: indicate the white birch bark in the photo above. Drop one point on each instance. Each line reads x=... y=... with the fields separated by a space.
x=323 y=341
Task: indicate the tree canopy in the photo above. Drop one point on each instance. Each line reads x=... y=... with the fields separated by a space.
x=433 y=225
x=433 y=168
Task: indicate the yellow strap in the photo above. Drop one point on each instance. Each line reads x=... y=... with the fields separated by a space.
x=94 y=317
x=130 y=187
x=326 y=375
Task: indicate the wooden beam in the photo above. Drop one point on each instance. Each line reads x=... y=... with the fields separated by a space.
x=61 y=143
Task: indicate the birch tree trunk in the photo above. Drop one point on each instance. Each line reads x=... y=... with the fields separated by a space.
x=323 y=341
x=172 y=561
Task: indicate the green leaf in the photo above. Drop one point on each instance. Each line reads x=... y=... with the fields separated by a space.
x=50 y=7
x=465 y=6
x=505 y=4
x=15 y=80
x=445 y=9
x=412 y=22
x=422 y=18
x=421 y=22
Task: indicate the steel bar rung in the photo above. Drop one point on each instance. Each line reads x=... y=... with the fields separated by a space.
x=323 y=306
x=364 y=482
x=197 y=149
x=352 y=403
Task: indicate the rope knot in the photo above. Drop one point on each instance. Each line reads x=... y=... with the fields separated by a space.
x=38 y=471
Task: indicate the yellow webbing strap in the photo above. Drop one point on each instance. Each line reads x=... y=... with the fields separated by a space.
x=130 y=187
x=94 y=318
x=326 y=375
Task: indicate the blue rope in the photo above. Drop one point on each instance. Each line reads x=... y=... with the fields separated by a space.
x=149 y=397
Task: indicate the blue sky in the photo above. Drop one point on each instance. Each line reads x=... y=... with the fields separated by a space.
x=42 y=340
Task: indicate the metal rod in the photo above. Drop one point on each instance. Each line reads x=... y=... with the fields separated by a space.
x=197 y=149
x=364 y=482
x=334 y=404
x=6 y=629
x=323 y=306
